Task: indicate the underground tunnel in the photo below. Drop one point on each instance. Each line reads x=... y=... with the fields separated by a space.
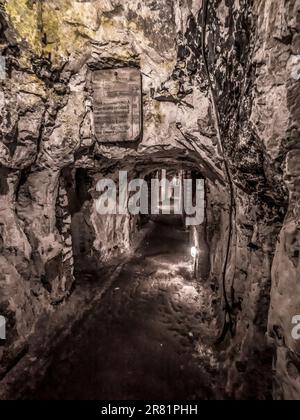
x=149 y=201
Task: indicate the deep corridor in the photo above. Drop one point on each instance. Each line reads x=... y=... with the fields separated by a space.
x=140 y=342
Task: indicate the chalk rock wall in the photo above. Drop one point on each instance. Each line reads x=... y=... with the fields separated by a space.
x=47 y=138
x=252 y=56
x=285 y=303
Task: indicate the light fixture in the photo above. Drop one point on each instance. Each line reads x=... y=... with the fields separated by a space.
x=194 y=252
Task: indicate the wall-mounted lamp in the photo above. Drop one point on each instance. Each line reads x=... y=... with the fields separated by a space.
x=194 y=255
x=194 y=252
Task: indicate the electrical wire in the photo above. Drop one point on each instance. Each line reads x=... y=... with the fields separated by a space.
x=228 y=325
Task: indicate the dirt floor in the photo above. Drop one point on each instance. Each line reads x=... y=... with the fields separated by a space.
x=148 y=338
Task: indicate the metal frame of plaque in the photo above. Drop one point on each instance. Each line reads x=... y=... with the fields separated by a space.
x=117 y=102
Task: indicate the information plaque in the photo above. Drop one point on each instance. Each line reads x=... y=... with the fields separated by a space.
x=117 y=105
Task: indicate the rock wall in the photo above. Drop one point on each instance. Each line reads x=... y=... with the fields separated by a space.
x=252 y=59
x=47 y=138
x=285 y=287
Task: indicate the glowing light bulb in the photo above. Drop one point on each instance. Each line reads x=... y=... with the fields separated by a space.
x=194 y=252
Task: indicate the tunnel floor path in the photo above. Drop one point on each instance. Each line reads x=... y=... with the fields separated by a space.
x=146 y=338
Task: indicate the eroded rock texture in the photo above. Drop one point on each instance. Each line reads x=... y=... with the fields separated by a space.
x=216 y=75
x=253 y=61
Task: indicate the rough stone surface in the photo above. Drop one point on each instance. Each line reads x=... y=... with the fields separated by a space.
x=48 y=149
